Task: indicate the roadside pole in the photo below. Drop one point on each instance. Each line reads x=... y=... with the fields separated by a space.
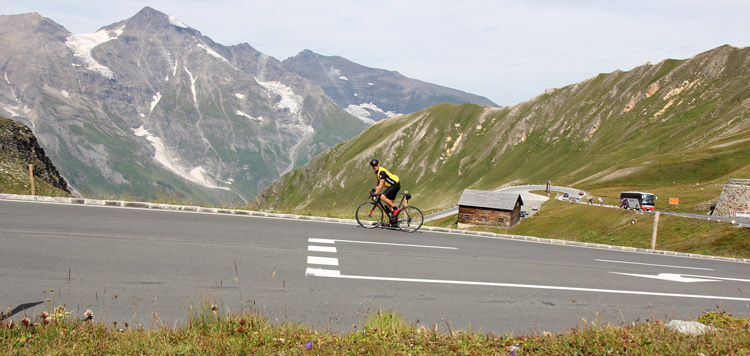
x=656 y=226
x=31 y=177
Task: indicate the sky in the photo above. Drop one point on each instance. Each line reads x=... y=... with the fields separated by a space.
x=507 y=51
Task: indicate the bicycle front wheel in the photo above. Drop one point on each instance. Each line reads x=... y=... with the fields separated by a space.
x=410 y=219
x=369 y=215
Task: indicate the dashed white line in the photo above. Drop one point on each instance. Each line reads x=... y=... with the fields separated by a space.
x=316 y=248
x=320 y=272
x=320 y=241
x=327 y=261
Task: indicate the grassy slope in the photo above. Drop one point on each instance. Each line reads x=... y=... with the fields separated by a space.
x=677 y=129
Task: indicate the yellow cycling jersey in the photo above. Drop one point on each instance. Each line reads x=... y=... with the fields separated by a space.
x=390 y=178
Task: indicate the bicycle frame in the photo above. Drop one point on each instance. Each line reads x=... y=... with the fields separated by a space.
x=379 y=202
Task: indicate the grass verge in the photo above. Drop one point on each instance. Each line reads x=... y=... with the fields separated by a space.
x=594 y=224
x=384 y=333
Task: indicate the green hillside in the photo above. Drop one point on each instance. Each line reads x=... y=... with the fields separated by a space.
x=663 y=128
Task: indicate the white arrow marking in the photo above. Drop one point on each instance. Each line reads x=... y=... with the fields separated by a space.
x=651 y=264
x=673 y=277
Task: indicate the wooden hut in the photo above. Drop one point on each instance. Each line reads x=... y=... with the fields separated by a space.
x=487 y=208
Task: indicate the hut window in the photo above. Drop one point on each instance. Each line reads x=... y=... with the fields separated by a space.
x=467 y=217
x=500 y=220
x=483 y=218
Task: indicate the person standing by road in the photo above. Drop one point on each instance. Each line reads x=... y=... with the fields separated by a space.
x=389 y=181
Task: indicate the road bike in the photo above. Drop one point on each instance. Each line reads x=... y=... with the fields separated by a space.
x=370 y=214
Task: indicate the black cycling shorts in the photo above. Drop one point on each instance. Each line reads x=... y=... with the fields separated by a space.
x=392 y=191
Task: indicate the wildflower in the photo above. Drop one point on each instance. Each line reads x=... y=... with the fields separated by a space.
x=126 y=324
x=26 y=322
x=89 y=314
x=240 y=330
x=11 y=324
x=309 y=345
x=44 y=315
x=214 y=307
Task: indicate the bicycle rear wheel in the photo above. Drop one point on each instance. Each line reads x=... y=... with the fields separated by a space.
x=369 y=215
x=410 y=219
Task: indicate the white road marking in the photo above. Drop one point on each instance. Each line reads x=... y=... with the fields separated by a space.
x=321 y=248
x=533 y=286
x=672 y=277
x=650 y=264
x=319 y=272
x=320 y=241
x=328 y=261
x=393 y=244
x=719 y=278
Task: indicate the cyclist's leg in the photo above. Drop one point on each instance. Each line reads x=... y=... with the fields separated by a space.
x=389 y=195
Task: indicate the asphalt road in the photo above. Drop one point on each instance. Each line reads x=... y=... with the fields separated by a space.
x=129 y=264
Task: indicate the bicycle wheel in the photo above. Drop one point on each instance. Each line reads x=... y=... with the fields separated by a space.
x=410 y=219
x=369 y=215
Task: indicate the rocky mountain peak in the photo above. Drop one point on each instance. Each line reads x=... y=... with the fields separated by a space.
x=373 y=94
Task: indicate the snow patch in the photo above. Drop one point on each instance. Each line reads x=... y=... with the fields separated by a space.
x=157 y=97
x=211 y=52
x=364 y=112
x=370 y=84
x=343 y=78
x=192 y=85
x=239 y=96
x=175 y=22
x=196 y=175
x=83 y=44
x=333 y=72
x=17 y=110
x=65 y=93
x=289 y=100
x=240 y=113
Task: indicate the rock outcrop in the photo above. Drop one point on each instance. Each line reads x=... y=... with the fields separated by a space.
x=20 y=148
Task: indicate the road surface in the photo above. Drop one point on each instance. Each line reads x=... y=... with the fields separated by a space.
x=149 y=266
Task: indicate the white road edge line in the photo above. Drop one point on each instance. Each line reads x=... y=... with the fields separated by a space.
x=313 y=240
x=532 y=286
x=656 y=265
x=328 y=261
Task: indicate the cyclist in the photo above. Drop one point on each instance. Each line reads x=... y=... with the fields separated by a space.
x=389 y=181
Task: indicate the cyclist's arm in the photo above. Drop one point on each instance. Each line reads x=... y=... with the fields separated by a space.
x=381 y=183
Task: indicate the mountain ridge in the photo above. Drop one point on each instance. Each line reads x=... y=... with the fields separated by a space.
x=675 y=122
x=156 y=108
x=373 y=94
x=149 y=106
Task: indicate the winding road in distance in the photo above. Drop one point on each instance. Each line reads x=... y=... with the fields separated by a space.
x=139 y=266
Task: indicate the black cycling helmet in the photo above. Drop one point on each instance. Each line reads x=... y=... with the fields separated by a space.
x=374 y=162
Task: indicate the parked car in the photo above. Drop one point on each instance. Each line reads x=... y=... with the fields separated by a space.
x=566 y=196
x=524 y=214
